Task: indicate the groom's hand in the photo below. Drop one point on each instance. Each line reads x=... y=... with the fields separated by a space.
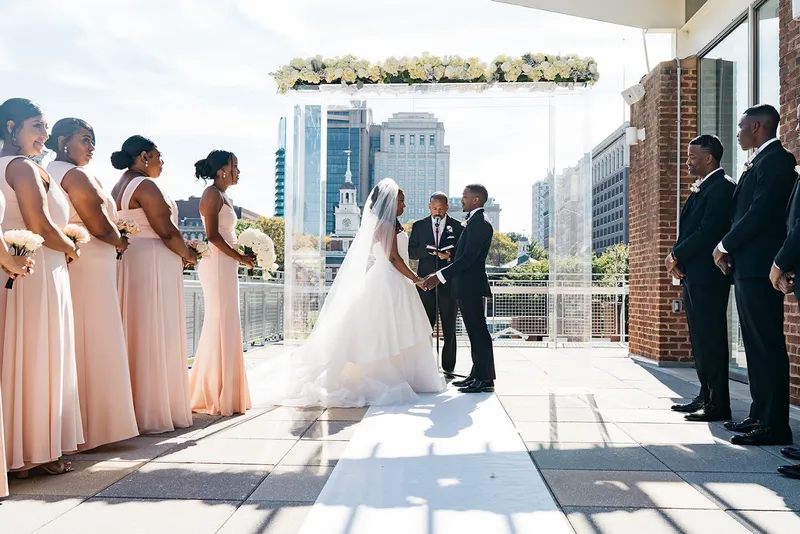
x=430 y=282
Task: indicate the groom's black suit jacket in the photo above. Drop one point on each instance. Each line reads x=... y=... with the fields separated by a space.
x=467 y=273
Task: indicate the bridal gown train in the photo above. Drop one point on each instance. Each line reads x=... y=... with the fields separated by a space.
x=376 y=349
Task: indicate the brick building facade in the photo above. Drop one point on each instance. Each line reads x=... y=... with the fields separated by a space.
x=657 y=333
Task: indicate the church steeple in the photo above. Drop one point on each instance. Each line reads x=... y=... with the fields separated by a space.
x=348 y=216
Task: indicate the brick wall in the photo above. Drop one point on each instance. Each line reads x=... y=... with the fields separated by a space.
x=790 y=79
x=656 y=332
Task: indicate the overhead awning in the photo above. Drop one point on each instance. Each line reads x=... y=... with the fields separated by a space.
x=646 y=14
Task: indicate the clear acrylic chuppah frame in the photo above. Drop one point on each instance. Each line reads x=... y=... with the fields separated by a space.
x=557 y=120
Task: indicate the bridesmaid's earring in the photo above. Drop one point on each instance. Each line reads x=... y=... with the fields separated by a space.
x=146 y=164
x=66 y=151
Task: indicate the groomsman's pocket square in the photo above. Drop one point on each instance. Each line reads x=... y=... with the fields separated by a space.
x=451 y=237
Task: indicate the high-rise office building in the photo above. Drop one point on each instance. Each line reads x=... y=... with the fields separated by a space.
x=280 y=170
x=540 y=205
x=610 y=191
x=413 y=153
x=348 y=130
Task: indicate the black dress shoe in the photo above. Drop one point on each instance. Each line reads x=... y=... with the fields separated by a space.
x=764 y=435
x=710 y=413
x=694 y=406
x=478 y=386
x=791 y=452
x=448 y=375
x=461 y=383
x=745 y=426
x=792 y=471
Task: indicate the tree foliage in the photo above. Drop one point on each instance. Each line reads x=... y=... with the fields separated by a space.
x=273 y=227
x=502 y=250
x=536 y=251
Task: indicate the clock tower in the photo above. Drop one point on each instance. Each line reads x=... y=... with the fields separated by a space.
x=347 y=213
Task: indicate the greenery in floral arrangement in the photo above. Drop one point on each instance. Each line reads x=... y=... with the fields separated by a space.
x=350 y=70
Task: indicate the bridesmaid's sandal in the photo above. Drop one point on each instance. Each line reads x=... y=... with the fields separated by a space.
x=59 y=467
x=22 y=475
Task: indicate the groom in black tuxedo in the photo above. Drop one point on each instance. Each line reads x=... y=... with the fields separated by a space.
x=467 y=274
x=757 y=233
x=705 y=219
x=433 y=242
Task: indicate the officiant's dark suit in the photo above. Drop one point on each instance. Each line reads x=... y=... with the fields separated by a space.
x=757 y=233
x=423 y=235
x=705 y=219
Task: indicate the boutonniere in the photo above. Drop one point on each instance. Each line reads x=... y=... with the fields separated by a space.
x=797 y=170
x=695 y=187
x=464 y=223
x=748 y=166
x=448 y=229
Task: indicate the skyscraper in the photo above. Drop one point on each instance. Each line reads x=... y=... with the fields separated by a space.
x=348 y=130
x=280 y=170
x=541 y=199
x=413 y=153
x=610 y=191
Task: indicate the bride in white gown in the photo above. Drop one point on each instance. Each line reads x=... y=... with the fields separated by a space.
x=371 y=344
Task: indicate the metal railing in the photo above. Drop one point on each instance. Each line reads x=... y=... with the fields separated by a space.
x=260 y=310
x=534 y=309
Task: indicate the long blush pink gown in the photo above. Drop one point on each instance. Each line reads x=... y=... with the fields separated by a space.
x=104 y=381
x=41 y=413
x=3 y=468
x=218 y=378
x=150 y=285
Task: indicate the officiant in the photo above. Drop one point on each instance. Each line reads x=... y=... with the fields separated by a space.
x=433 y=241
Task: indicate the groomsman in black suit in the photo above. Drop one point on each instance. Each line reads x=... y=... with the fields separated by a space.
x=757 y=233
x=705 y=219
x=467 y=274
x=783 y=279
x=433 y=242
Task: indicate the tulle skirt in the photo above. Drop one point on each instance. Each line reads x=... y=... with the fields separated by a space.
x=375 y=349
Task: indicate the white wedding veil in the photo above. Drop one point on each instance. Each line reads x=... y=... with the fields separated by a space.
x=302 y=377
x=378 y=225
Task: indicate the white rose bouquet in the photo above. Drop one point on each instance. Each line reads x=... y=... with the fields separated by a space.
x=200 y=247
x=127 y=228
x=21 y=243
x=257 y=243
x=78 y=234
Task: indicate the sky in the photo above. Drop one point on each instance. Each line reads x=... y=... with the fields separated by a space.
x=193 y=75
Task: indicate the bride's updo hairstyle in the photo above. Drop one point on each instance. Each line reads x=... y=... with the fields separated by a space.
x=207 y=168
x=131 y=149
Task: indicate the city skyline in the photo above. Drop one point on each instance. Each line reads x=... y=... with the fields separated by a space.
x=161 y=77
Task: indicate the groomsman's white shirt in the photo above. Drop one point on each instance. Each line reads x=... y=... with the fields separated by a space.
x=439 y=274
x=759 y=149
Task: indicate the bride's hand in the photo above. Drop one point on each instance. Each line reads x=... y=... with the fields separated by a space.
x=420 y=282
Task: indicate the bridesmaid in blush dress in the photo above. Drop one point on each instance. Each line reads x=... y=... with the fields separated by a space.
x=41 y=414
x=218 y=379
x=104 y=381
x=15 y=266
x=150 y=285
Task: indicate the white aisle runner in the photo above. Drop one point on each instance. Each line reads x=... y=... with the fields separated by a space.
x=453 y=463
